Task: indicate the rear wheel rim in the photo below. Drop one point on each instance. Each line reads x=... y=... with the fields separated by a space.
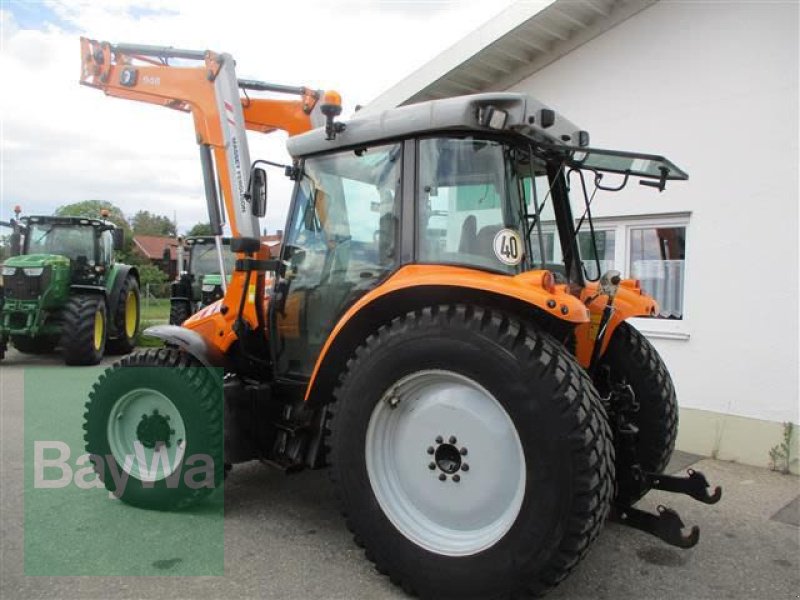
x=131 y=314
x=445 y=463
x=99 y=329
x=146 y=434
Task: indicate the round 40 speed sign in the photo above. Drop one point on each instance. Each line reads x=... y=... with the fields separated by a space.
x=508 y=247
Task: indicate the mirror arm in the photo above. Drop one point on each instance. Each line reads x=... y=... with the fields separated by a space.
x=662 y=180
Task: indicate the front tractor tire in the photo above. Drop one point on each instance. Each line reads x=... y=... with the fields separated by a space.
x=631 y=359
x=85 y=331
x=162 y=427
x=471 y=454
x=127 y=316
x=179 y=311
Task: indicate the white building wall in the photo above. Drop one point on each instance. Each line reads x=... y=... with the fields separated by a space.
x=714 y=86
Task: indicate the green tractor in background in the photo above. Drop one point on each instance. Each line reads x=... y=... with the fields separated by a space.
x=65 y=290
x=199 y=281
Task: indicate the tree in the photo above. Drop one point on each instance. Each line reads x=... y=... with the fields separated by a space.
x=146 y=223
x=92 y=209
x=153 y=279
x=200 y=229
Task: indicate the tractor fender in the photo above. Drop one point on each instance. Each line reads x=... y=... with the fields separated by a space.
x=121 y=273
x=116 y=287
x=415 y=286
x=187 y=341
x=630 y=301
x=90 y=289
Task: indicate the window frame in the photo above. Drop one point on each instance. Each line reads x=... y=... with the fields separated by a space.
x=678 y=329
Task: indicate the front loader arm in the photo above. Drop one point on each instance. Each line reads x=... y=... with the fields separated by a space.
x=204 y=83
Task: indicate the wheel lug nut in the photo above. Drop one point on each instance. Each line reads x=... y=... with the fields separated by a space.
x=439 y=439
x=442 y=477
x=430 y=449
x=432 y=466
x=465 y=467
x=456 y=478
x=453 y=439
x=463 y=451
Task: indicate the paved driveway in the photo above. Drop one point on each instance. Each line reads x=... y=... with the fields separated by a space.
x=283 y=537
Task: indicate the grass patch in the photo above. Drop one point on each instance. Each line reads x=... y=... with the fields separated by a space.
x=155 y=310
x=148 y=342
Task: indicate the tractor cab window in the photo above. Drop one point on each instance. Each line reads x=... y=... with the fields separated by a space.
x=469 y=212
x=106 y=248
x=204 y=260
x=341 y=240
x=72 y=241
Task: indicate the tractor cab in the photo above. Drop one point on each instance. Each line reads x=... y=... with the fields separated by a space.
x=199 y=281
x=455 y=191
x=87 y=244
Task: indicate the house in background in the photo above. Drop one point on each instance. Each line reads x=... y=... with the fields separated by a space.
x=152 y=248
x=713 y=86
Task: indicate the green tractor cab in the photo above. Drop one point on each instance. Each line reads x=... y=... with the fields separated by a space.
x=65 y=290
x=199 y=281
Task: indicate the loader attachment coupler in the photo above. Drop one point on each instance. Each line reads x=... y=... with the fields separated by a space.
x=665 y=524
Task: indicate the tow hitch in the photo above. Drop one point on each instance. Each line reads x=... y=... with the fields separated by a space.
x=666 y=524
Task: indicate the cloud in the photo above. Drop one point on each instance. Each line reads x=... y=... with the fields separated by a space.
x=62 y=142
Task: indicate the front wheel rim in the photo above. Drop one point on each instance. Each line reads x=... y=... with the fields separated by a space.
x=445 y=463
x=146 y=434
x=131 y=314
x=99 y=329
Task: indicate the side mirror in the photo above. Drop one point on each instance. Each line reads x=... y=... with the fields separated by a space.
x=119 y=239
x=257 y=190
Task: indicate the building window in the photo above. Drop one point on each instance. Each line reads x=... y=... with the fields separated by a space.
x=657 y=257
x=651 y=249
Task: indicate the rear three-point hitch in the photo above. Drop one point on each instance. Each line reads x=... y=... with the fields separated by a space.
x=665 y=524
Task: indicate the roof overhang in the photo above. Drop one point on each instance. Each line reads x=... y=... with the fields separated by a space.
x=525 y=37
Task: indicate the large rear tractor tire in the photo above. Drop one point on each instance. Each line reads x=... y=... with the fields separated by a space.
x=84 y=321
x=179 y=311
x=34 y=345
x=631 y=359
x=162 y=427
x=471 y=453
x=127 y=317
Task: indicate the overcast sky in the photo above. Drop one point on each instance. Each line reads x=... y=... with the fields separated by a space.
x=62 y=142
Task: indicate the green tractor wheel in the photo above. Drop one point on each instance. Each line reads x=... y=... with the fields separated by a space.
x=83 y=341
x=179 y=311
x=126 y=315
x=157 y=415
x=34 y=345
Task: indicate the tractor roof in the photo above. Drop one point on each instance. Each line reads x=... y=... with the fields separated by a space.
x=59 y=220
x=205 y=239
x=490 y=112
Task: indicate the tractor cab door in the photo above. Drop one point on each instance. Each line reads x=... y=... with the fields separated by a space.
x=106 y=249
x=341 y=241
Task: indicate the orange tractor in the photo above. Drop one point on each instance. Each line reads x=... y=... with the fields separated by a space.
x=482 y=408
